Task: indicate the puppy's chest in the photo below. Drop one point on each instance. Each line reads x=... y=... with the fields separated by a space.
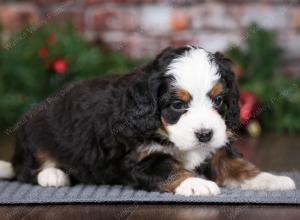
x=196 y=158
x=190 y=159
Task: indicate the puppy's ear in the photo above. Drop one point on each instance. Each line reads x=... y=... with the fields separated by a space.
x=140 y=114
x=141 y=108
x=232 y=115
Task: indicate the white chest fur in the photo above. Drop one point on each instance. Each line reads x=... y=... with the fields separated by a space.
x=193 y=158
x=190 y=159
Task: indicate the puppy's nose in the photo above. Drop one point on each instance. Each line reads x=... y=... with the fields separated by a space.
x=204 y=135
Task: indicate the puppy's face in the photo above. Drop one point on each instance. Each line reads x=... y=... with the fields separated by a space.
x=201 y=100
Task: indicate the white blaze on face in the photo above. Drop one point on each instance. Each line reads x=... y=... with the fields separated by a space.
x=197 y=74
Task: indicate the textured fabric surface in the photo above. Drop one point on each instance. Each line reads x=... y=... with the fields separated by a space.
x=17 y=193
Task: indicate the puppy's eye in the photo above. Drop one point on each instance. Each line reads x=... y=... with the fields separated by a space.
x=178 y=106
x=218 y=101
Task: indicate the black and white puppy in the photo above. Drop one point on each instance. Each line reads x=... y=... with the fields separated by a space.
x=157 y=128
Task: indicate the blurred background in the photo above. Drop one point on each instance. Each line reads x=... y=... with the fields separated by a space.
x=48 y=43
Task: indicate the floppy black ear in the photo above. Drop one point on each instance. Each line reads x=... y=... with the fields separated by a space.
x=139 y=114
x=140 y=105
x=232 y=115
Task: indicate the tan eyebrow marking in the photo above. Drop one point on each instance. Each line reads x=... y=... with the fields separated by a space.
x=216 y=90
x=183 y=95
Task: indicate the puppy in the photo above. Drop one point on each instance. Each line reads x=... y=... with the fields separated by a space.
x=157 y=128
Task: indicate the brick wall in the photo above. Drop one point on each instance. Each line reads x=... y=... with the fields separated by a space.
x=144 y=27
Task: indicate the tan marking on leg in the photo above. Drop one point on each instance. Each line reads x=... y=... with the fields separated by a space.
x=44 y=160
x=231 y=169
x=177 y=176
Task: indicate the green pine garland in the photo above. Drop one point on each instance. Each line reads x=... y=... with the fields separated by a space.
x=27 y=75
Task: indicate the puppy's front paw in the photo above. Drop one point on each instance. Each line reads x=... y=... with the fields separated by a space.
x=267 y=181
x=53 y=177
x=194 y=186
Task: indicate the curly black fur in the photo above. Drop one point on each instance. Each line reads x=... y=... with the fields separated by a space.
x=92 y=132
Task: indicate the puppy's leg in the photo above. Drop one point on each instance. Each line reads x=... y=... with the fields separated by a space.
x=53 y=177
x=269 y=181
x=162 y=172
x=49 y=174
x=198 y=187
x=237 y=172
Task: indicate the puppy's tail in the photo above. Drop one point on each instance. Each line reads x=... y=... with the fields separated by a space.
x=6 y=170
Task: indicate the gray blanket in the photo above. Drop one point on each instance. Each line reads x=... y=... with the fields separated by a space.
x=18 y=193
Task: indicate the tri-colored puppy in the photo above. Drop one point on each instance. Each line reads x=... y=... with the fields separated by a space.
x=157 y=128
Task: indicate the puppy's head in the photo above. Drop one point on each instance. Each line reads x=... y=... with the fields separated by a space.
x=198 y=101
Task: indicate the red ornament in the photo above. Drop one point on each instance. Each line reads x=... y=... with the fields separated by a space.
x=51 y=39
x=248 y=106
x=60 y=66
x=43 y=52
